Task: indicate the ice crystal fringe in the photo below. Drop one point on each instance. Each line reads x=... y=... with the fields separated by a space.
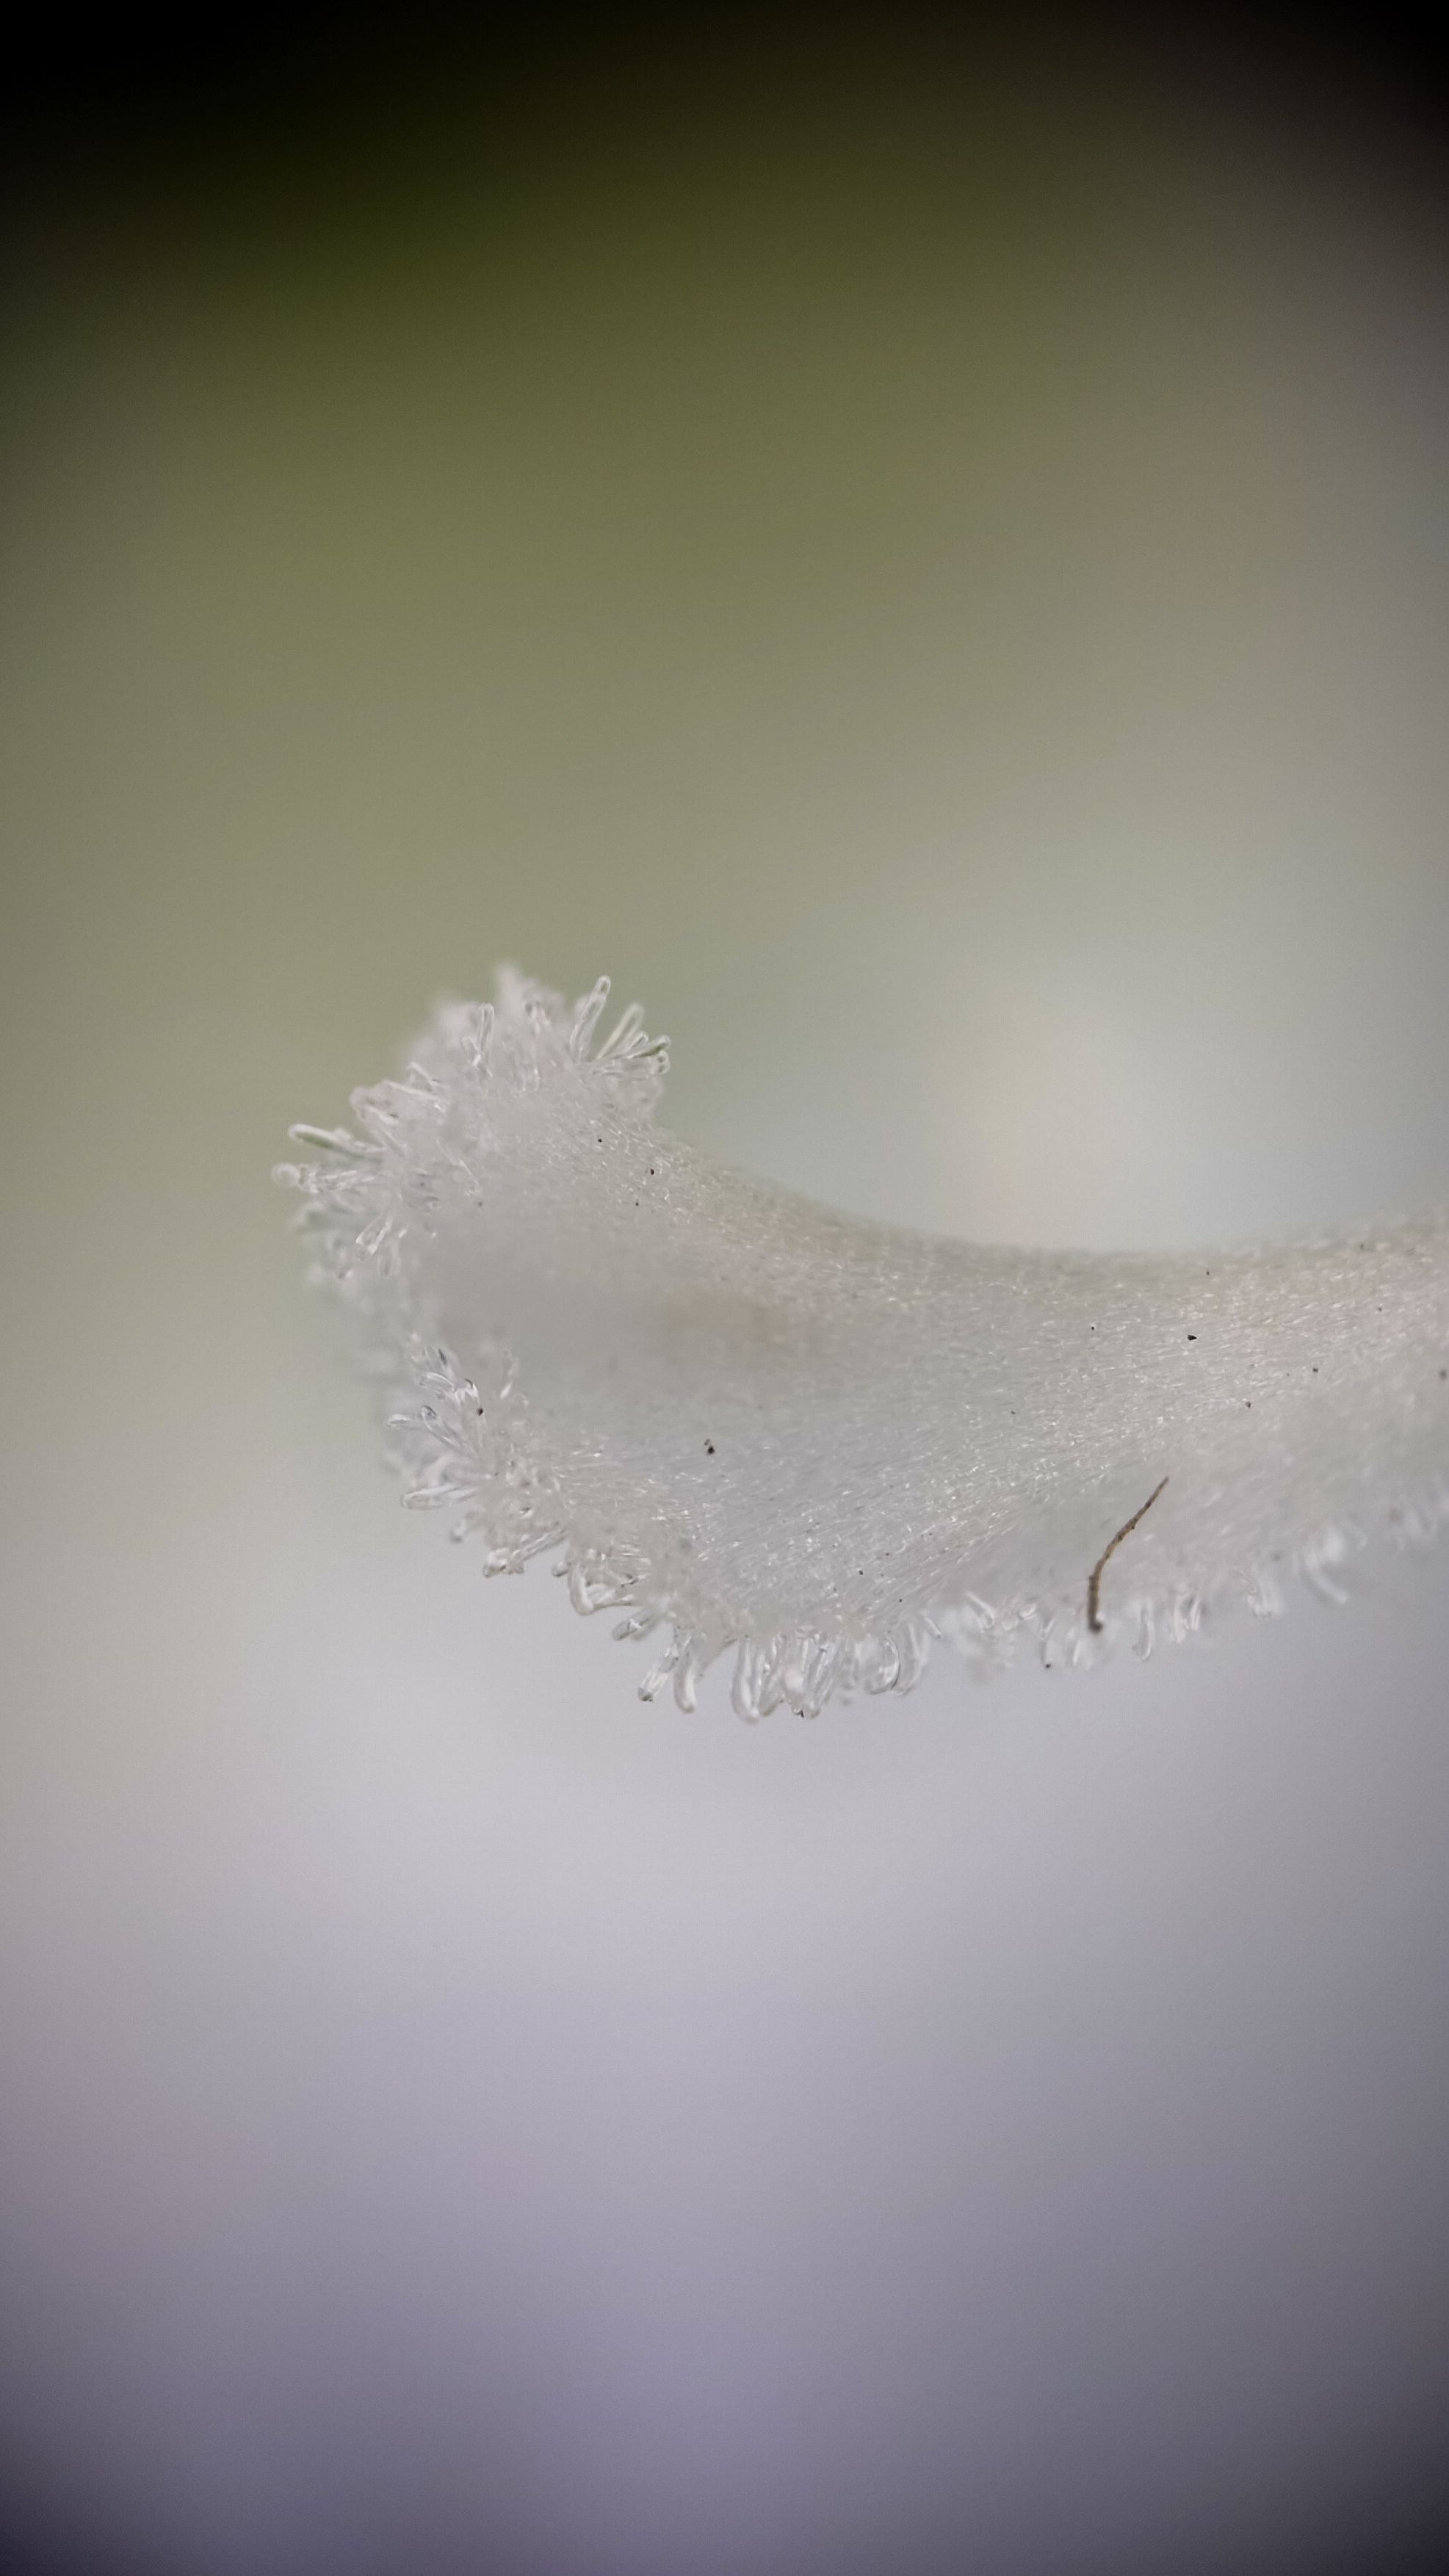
x=744 y=1421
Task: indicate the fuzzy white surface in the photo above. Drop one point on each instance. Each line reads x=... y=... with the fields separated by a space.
x=823 y=1441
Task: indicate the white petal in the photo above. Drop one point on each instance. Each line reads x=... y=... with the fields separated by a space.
x=822 y=1440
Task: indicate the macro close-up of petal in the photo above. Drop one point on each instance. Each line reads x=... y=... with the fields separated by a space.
x=913 y=540
x=822 y=1442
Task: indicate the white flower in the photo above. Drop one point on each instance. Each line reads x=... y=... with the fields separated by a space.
x=760 y=1424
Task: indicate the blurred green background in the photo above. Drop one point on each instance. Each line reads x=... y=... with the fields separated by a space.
x=925 y=556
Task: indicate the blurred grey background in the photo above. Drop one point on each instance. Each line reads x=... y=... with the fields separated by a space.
x=922 y=549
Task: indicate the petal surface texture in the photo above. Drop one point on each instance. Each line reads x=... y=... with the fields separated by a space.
x=746 y=1421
